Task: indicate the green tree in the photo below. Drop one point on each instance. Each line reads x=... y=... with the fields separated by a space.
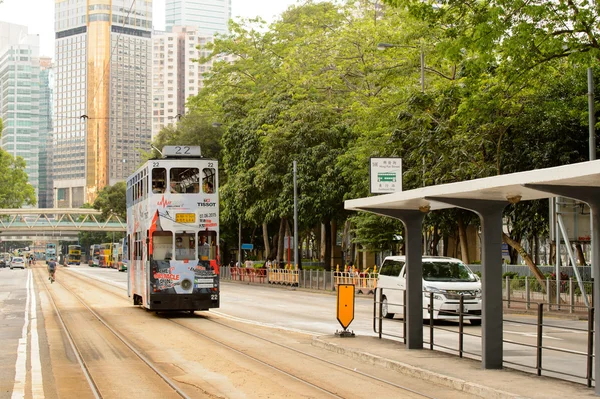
x=194 y=128
x=15 y=191
x=112 y=200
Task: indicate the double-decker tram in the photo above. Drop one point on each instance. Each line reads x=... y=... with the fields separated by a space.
x=173 y=232
x=50 y=251
x=94 y=259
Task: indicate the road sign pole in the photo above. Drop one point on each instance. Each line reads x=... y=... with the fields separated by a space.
x=295 y=217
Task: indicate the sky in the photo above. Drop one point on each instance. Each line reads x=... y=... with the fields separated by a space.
x=38 y=15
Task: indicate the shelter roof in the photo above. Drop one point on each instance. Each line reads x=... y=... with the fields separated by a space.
x=509 y=188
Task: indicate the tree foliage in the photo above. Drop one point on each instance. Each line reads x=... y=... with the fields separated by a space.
x=505 y=91
x=111 y=200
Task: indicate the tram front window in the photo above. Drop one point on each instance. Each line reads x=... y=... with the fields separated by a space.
x=207 y=241
x=159 y=179
x=162 y=245
x=184 y=180
x=184 y=246
x=208 y=180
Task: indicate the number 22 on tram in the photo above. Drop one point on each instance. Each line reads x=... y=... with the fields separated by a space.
x=173 y=232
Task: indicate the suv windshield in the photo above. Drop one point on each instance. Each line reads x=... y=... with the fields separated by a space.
x=447 y=271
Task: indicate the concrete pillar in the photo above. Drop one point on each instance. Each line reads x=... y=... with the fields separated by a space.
x=413 y=225
x=590 y=195
x=490 y=213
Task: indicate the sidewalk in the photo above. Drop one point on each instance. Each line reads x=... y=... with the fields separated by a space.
x=464 y=375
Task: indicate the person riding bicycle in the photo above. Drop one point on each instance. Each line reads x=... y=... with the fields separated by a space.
x=51 y=270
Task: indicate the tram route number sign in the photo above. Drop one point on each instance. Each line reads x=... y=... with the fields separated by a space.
x=185 y=217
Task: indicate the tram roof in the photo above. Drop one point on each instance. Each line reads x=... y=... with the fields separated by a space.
x=509 y=187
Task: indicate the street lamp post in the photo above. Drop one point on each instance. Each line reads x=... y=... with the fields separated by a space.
x=384 y=46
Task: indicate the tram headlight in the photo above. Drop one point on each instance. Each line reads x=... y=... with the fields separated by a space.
x=186 y=284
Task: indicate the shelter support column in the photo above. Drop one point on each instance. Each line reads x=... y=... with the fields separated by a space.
x=591 y=196
x=413 y=224
x=490 y=214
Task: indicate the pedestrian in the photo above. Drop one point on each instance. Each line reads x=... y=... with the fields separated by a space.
x=51 y=270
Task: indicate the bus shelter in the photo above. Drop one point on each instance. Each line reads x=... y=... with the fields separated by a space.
x=487 y=197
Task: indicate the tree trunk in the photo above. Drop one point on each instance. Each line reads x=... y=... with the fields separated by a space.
x=580 y=255
x=266 y=242
x=333 y=237
x=287 y=254
x=282 y=225
x=323 y=245
x=464 y=247
x=445 y=240
x=325 y=257
x=346 y=244
x=435 y=241
x=534 y=269
x=552 y=253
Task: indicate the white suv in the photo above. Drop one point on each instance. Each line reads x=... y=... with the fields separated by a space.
x=445 y=278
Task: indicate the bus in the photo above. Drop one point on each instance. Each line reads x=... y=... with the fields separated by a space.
x=50 y=252
x=94 y=259
x=74 y=255
x=106 y=249
x=172 y=204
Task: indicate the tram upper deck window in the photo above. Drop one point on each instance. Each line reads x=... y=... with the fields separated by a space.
x=208 y=180
x=184 y=180
x=159 y=180
x=162 y=245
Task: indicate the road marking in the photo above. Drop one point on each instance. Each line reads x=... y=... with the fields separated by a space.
x=261 y=324
x=532 y=335
x=37 y=382
x=21 y=364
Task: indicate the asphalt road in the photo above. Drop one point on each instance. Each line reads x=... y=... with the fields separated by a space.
x=314 y=312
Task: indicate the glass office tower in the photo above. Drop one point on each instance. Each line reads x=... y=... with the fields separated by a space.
x=102 y=95
x=208 y=16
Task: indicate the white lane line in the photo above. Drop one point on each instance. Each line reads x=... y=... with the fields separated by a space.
x=262 y=324
x=37 y=383
x=532 y=335
x=18 y=391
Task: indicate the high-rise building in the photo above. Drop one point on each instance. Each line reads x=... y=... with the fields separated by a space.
x=208 y=16
x=20 y=96
x=175 y=74
x=45 y=194
x=102 y=94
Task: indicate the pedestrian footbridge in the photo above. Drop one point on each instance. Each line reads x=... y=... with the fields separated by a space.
x=56 y=221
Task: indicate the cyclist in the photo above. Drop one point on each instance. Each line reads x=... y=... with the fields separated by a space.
x=51 y=270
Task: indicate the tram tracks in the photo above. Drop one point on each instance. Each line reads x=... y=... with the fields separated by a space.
x=100 y=385
x=263 y=359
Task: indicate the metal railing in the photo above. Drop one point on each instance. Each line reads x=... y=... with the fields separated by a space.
x=527 y=292
x=321 y=280
x=539 y=348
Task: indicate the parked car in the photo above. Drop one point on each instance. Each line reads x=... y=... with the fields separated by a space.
x=122 y=265
x=16 y=262
x=446 y=278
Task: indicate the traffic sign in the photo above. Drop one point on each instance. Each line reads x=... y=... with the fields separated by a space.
x=345 y=304
x=249 y=247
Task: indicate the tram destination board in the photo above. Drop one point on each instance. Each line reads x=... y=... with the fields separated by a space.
x=185 y=217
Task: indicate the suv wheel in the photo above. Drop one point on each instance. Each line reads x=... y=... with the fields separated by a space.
x=384 y=309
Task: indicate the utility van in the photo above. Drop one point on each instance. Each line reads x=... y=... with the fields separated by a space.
x=446 y=278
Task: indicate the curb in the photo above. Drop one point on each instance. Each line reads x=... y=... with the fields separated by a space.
x=426 y=375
